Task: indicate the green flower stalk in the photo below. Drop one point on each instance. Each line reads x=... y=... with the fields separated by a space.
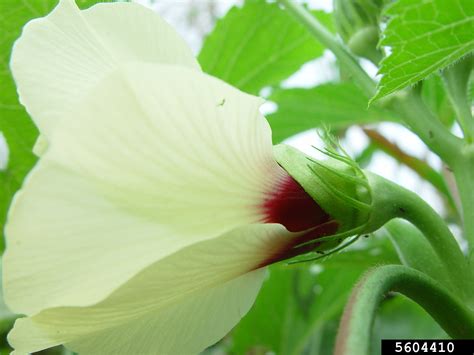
x=361 y=202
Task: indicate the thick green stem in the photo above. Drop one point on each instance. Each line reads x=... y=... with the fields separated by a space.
x=463 y=169
x=456 y=79
x=427 y=126
x=347 y=60
x=391 y=200
x=355 y=330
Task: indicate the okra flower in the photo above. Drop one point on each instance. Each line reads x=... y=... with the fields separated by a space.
x=157 y=201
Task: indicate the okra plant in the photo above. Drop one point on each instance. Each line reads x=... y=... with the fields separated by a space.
x=149 y=207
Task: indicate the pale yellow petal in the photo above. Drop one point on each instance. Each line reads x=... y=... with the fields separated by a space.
x=150 y=162
x=67 y=244
x=179 y=305
x=60 y=57
x=168 y=143
x=184 y=328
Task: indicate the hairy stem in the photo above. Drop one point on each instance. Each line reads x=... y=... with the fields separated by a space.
x=347 y=60
x=356 y=325
x=391 y=201
x=463 y=169
x=427 y=126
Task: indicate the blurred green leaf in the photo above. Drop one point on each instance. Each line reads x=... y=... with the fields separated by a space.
x=15 y=124
x=297 y=302
x=293 y=304
x=335 y=104
x=258 y=45
x=435 y=97
x=322 y=342
x=18 y=129
x=424 y=37
x=400 y=318
x=7 y=319
x=373 y=250
x=364 y=158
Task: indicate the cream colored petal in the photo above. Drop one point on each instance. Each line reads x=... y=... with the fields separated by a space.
x=148 y=163
x=67 y=244
x=185 y=328
x=61 y=56
x=173 y=145
x=179 y=305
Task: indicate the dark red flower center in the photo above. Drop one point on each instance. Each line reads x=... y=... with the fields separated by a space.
x=291 y=206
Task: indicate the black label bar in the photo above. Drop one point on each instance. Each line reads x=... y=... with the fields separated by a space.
x=427 y=346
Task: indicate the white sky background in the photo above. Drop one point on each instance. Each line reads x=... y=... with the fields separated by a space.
x=193 y=19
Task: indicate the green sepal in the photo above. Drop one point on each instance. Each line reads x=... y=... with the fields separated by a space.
x=337 y=186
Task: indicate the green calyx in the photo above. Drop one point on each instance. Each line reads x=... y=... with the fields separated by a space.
x=357 y=22
x=337 y=185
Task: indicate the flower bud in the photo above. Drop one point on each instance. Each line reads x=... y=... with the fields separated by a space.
x=337 y=185
x=357 y=22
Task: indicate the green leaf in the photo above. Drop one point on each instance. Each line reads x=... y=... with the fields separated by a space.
x=6 y=317
x=323 y=340
x=424 y=37
x=435 y=97
x=336 y=105
x=400 y=318
x=258 y=45
x=365 y=157
x=373 y=250
x=292 y=305
x=15 y=124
